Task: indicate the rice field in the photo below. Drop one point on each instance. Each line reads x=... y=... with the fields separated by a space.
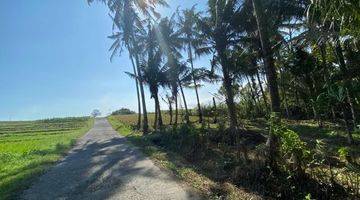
x=28 y=148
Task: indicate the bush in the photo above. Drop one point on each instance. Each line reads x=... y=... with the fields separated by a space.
x=123 y=111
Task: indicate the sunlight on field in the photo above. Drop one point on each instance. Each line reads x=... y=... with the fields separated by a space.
x=29 y=148
x=132 y=119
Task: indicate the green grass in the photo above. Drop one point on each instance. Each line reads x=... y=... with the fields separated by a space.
x=29 y=148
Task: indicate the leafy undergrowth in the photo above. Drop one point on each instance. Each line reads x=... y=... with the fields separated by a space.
x=333 y=136
x=29 y=148
x=186 y=170
x=207 y=159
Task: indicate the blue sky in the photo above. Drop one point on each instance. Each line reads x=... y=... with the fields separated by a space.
x=54 y=60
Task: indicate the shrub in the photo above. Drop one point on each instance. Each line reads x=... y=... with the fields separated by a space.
x=123 y=111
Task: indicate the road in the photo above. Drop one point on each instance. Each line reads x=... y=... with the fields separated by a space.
x=103 y=166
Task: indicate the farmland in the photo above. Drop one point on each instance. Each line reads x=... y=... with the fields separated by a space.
x=28 y=148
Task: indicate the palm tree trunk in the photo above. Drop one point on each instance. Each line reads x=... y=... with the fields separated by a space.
x=185 y=104
x=145 y=118
x=283 y=91
x=156 y=114
x=160 y=121
x=176 y=109
x=137 y=94
x=227 y=83
x=195 y=84
x=271 y=78
x=170 y=111
x=261 y=89
x=253 y=83
x=347 y=119
x=215 y=110
x=350 y=102
x=268 y=58
x=251 y=90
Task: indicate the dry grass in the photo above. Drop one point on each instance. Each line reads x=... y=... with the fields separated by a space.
x=216 y=168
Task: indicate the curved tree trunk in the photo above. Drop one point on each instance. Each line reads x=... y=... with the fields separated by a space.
x=195 y=84
x=185 y=104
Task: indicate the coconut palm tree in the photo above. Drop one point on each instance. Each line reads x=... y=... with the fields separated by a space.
x=116 y=49
x=170 y=43
x=218 y=37
x=269 y=17
x=187 y=23
x=125 y=12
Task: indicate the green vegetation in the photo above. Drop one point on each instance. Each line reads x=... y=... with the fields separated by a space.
x=123 y=111
x=28 y=148
x=284 y=123
x=203 y=158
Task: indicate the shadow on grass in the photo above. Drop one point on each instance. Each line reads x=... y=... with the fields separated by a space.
x=252 y=175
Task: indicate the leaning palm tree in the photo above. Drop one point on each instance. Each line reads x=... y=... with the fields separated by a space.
x=116 y=48
x=187 y=22
x=126 y=13
x=183 y=77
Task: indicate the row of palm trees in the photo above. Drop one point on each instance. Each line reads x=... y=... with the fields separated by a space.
x=245 y=38
x=155 y=47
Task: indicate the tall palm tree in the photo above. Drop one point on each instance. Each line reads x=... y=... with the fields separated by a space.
x=125 y=12
x=187 y=23
x=218 y=37
x=268 y=57
x=116 y=49
x=171 y=43
x=267 y=28
x=154 y=72
x=154 y=75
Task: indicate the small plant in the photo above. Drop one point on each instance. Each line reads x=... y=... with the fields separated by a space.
x=308 y=197
x=343 y=153
x=292 y=148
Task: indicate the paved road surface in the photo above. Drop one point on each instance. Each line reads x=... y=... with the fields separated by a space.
x=103 y=166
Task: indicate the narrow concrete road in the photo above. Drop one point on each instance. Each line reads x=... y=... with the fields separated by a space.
x=103 y=166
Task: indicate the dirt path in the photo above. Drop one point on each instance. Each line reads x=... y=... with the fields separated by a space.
x=103 y=166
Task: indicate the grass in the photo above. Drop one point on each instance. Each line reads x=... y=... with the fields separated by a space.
x=216 y=169
x=176 y=163
x=28 y=148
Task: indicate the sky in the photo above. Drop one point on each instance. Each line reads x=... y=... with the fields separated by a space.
x=54 y=61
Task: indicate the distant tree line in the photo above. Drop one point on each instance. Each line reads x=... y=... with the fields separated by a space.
x=123 y=111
